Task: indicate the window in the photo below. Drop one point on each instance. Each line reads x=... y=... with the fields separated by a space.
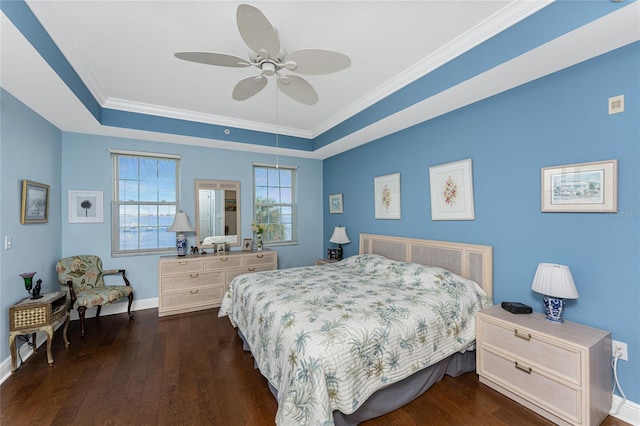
x=274 y=203
x=144 y=203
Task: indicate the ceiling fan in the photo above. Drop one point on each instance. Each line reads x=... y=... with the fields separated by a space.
x=270 y=58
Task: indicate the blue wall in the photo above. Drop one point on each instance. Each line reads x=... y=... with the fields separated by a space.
x=94 y=174
x=29 y=149
x=556 y=120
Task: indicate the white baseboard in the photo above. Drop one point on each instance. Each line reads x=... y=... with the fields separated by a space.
x=629 y=412
x=116 y=308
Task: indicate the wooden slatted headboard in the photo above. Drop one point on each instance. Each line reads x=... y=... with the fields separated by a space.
x=471 y=261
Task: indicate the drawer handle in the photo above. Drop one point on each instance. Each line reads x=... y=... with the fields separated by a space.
x=196 y=292
x=526 y=337
x=182 y=262
x=521 y=368
x=259 y=256
x=251 y=269
x=194 y=275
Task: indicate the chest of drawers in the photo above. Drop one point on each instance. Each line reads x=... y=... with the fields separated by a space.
x=560 y=371
x=192 y=283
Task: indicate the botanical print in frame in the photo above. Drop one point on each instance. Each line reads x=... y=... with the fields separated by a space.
x=584 y=187
x=387 y=196
x=452 y=191
x=335 y=203
x=35 y=202
x=247 y=244
x=85 y=207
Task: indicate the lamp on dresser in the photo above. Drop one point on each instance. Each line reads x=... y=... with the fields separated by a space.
x=181 y=225
x=339 y=237
x=556 y=283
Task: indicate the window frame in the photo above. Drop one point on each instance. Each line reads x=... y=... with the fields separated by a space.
x=293 y=205
x=116 y=203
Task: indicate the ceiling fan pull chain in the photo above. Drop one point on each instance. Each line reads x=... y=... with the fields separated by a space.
x=277 y=129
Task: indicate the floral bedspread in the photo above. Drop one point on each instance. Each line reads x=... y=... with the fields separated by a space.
x=327 y=337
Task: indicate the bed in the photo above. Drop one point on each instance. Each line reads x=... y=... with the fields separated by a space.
x=349 y=341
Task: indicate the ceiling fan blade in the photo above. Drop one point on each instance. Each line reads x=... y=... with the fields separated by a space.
x=316 y=61
x=298 y=89
x=210 y=58
x=257 y=32
x=247 y=87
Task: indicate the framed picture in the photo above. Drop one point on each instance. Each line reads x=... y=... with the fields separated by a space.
x=335 y=203
x=35 y=202
x=387 y=196
x=585 y=187
x=247 y=243
x=452 y=191
x=85 y=207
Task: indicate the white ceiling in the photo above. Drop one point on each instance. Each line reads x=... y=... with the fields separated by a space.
x=124 y=53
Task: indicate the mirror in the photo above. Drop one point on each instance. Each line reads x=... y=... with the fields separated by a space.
x=217 y=212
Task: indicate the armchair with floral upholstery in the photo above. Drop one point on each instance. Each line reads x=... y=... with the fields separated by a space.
x=82 y=278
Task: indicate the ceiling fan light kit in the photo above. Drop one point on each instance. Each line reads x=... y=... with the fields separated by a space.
x=270 y=58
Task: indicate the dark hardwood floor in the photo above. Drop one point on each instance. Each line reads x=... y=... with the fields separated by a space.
x=190 y=369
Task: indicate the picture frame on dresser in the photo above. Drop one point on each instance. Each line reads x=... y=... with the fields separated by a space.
x=247 y=244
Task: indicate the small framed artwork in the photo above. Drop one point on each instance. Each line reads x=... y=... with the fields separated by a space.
x=35 y=202
x=584 y=187
x=85 y=207
x=451 y=187
x=387 y=196
x=335 y=203
x=247 y=243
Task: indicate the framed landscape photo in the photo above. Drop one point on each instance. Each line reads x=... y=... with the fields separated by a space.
x=387 y=196
x=85 y=207
x=583 y=187
x=335 y=203
x=35 y=202
x=451 y=187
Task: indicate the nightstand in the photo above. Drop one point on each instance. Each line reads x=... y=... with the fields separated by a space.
x=325 y=261
x=560 y=371
x=32 y=315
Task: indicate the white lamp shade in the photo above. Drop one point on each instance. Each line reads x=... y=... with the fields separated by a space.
x=181 y=223
x=554 y=280
x=339 y=236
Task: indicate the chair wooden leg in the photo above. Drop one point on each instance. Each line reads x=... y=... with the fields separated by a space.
x=98 y=313
x=129 y=308
x=81 y=310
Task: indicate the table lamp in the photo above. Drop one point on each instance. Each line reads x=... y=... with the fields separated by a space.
x=181 y=225
x=556 y=284
x=339 y=237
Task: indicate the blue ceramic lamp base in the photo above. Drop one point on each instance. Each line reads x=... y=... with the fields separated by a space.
x=554 y=307
x=181 y=244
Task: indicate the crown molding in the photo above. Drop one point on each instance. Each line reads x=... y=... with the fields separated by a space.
x=199 y=117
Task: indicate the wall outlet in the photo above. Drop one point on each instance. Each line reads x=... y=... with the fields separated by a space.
x=620 y=349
